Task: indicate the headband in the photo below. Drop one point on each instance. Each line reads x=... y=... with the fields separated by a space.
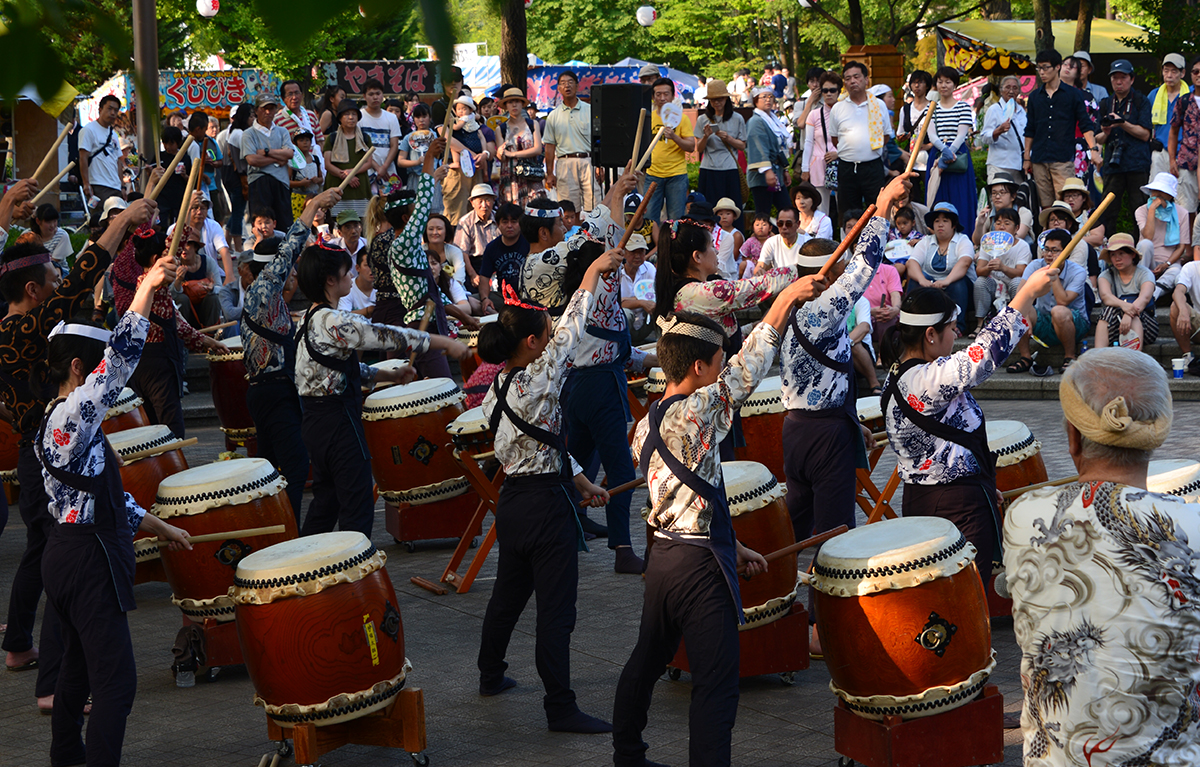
x=144 y=232
x=512 y=299
x=811 y=261
x=21 y=263
x=543 y=212
x=399 y=202
x=78 y=329
x=1112 y=425
x=675 y=326
x=926 y=320
x=264 y=258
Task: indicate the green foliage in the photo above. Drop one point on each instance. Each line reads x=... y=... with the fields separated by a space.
x=29 y=55
x=595 y=31
x=1170 y=27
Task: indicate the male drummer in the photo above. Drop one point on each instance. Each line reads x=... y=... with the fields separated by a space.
x=822 y=438
x=270 y=351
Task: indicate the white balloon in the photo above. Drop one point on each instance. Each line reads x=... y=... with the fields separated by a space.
x=646 y=15
x=528 y=3
x=208 y=8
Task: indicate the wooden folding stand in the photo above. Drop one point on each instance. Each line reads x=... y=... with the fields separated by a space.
x=876 y=503
x=221 y=646
x=400 y=725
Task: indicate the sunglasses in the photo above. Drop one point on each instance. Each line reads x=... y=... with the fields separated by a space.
x=830 y=90
x=1196 y=71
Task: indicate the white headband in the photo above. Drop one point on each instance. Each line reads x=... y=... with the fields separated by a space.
x=811 y=261
x=673 y=326
x=264 y=258
x=77 y=329
x=543 y=212
x=925 y=320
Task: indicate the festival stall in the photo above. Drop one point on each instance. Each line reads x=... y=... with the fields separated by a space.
x=213 y=91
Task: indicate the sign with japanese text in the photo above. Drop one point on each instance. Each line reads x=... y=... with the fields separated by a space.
x=396 y=76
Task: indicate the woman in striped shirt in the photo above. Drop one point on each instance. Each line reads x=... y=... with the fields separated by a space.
x=949 y=130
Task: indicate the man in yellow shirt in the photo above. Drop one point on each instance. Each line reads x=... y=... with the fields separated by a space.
x=668 y=163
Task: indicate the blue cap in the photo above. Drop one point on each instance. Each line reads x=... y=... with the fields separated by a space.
x=1121 y=66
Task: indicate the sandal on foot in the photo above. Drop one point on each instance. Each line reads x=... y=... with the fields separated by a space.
x=1066 y=364
x=1020 y=366
x=876 y=391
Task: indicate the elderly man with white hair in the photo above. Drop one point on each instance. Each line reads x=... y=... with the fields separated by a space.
x=1106 y=598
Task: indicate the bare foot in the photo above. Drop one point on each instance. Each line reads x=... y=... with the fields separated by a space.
x=814 y=642
x=16 y=660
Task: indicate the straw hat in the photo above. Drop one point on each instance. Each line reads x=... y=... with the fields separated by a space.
x=1062 y=209
x=511 y=94
x=1073 y=184
x=727 y=204
x=717 y=89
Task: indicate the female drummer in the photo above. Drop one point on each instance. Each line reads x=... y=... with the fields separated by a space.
x=88 y=563
x=329 y=378
x=536 y=525
x=934 y=424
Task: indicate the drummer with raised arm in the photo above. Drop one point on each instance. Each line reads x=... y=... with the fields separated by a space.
x=934 y=424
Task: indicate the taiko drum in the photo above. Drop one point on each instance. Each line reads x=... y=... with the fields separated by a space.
x=9 y=454
x=468 y=364
x=656 y=384
x=761 y=523
x=128 y=413
x=140 y=478
x=470 y=433
x=870 y=414
x=1175 y=476
x=227 y=374
x=762 y=426
x=1018 y=455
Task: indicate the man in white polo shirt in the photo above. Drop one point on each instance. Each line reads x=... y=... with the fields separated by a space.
x=782 y=249
x=568 y=142
x=862 y=127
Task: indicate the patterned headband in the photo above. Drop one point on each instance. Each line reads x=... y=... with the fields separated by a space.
x=512 y=299
x=77 y=329
x=926 y=320
x=21 y=263
x=675 y=326
x=543 y=212
x=399 y=202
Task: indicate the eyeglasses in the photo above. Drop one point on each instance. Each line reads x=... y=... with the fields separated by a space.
x=1196 y=71
x=1044 y=67
x=830 y=90
x=1051 y=251
x=785 y=224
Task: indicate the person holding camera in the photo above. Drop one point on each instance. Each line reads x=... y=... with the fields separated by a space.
x=1125 y=133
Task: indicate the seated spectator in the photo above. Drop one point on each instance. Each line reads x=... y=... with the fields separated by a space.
x=813 y=222
x=760 y=232
x=1102 y=578
x=1061 y=314
x=782 y=249
x=361 y=298
x=1185 y=312
x=1059 y=216
x=349 y=235
x=1127 y=295
x=1165 y=232
x=635 y=270
x=473 y=232
x=503 y=257
x=944 y=260
x=996 y=275
x=1002 y=190
x=862 y=351
x=920 y=212
x=570 y=217
x=883 y=296
x=197 y=297
x=436 y=234
x=1075 y=193
x=458 y=304
x=904 y=225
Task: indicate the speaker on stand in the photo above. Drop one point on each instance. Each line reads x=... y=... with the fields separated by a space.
x=615 y=111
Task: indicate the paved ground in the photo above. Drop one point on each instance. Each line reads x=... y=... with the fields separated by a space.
x=216 y=724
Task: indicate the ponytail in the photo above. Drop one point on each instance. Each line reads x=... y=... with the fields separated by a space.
x=677 y=241
x=499 y=340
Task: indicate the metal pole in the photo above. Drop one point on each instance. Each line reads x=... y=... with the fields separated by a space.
x=145 y=50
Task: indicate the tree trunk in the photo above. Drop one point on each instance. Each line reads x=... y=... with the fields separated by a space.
x=514 y=52
x=784 y=59
x=797 y=70
x=858 y=33
x=998 y=10
x=1083 y=28
x=1043 y=36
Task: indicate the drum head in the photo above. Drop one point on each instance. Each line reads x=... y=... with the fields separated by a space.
x=127 y=402
x=471 y=337
x=767 y=398
x=471 y=422
x=402 y=401
x=869 y=408
x=656 y=381
x=892 y=554
x=1011 y=442
x=749 y=486
x=225 y=483
x=142 y=438
x=234 y=343
x=305 y=566
x=389 y=365
x=1175 y=476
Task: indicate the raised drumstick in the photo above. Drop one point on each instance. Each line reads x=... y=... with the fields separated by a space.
x=53 y=152
x=1091 y=221
x=162 y=182
x=850 y=238
x=46 y=189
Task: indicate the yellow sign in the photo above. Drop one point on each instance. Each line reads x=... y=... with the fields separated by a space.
x=369 y=629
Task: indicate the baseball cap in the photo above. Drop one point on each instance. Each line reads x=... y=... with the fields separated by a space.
x=347 y=216
x=636 y=242
x=632 y=201
x=264 y=98
x=649 y=70
x=1122 y=66
x=1175 y=60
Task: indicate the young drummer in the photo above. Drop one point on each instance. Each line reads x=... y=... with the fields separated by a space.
x=536 y=525
x=934 y=424
x=329 y=379
x=269 y=343
x=89 y=562
x=691 y=580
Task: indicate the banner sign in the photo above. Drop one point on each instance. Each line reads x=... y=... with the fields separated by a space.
x=542 y=82
x=212 y=92
x=396 y=76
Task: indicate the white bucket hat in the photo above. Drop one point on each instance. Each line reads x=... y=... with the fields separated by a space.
x=1163 y=182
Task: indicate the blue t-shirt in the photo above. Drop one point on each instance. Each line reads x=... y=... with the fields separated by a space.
x=504 y=261
x=1163 y=132
x=1073 y=277
x=779 y=85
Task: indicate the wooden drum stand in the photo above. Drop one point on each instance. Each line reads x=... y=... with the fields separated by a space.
x=400 y=725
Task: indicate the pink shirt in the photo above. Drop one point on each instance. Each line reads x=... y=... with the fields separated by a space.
x=885 y=282
x=751 y=248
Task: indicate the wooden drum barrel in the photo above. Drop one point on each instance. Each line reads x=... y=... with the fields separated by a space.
x=903 y=618
x=220 y=497
x=1018 y=455
x=870 y=414
x=405 y=426
x=1175 y=476
x=319 y=627
x=140 y=478
x=470 y=433
x=468 y=364
x=762 y=426
x=128 y=413
x=761 y=522
x=227 y=374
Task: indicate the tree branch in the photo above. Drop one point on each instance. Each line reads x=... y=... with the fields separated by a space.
x=916 y=24
x=843 y=28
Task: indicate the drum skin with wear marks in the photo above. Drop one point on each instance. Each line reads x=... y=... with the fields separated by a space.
x=227 y=376
x=141 y=478
x=762 y=426
x=395 y=364
x=319 y=626
x=471 y=434
x=128 y=413
x=471 y=338
x=1175 y=476
x=219 y=497
x=1018 y=455
x=903 y=618
x=761 y=523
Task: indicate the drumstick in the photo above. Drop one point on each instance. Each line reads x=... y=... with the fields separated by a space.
x=637 y=138
x=275 y=760
x=919 y=139
x=816 y=540
x=263 y=762
x=136 y=456
x=630 y=485
x=450 y=97
x=846 y=243
x=1091 y=221
x=250 y=532
x=53 y=181
x=650 y=150
x=173 y=250
x=215 y=328
x=346 y=181
x=1052 y=483
x=429 y=307
x=52 y=152
x=637 y=214
x=170 y=170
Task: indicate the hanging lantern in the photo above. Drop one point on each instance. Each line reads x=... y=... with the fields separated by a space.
x=208 y=8
x=528 y=3
x=646 y=16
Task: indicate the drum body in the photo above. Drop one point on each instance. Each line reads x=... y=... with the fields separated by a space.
x=1018 y=455
x=9 y=454
x=470 y=433
x=141 y=477
x=128 y=413
x=227 y=375
x=1175 y=476
x=761 y=523
x=656 y=384
x=405 y=428
x=319 y=627
x=762 y=425
x=219 y=497
x=903 y=618
x=870 y=414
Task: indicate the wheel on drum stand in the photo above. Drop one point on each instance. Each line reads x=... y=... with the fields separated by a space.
x=673 y=673
x=421 y=759
x=284 y=749
x=411 y=547
x=212 y=673
x=475 y=542
x=844 y=762
x=788 y=678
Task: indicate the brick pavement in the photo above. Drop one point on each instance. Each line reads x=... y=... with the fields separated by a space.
x=216 y=723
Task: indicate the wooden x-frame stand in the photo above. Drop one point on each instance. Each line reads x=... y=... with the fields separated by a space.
x=876 y=504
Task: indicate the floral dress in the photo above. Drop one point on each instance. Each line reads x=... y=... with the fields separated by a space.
x=521 y=178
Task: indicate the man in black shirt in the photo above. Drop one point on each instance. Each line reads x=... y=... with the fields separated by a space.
x=1125 y=132
x=1054 y=112
x=439 y=107
x=503 y=256
x=171 y=197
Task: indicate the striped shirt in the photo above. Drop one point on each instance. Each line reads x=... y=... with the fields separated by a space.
x=946 y=122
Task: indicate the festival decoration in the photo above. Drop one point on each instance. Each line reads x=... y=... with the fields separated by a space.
x=646 y=16
x=208 y=8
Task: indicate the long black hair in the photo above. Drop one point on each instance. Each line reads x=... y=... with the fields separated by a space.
x=499 y=340
x=726 y=113
x=317 y=264
x=677 y=241
x=578 y=262
x=148 y=246
x=50 y=374
x=901 y=338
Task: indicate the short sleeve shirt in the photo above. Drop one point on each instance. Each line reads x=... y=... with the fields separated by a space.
x=102 y=154
x=505 y=261
x=380 y=131
x=669 y=159
x=718 y=156
x=1073 y=277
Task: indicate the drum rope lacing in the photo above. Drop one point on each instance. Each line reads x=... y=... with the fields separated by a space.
x=757 y=492
x=341 y=710
x=1187 y=489
x=455 y=395
x=204 y=612
x=1016 y=447
x=290 y=580
x=451 y=488
x=213 y=495
x=880 y=572
x=166 y=439
x=964 y=694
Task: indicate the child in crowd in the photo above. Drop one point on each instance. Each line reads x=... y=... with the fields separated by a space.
x=728 y=240
x=760 y=232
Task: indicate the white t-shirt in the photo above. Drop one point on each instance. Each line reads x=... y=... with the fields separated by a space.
x=926 y=250
x=726 y=254
x=102 y=165
x=775 y=251
x=356 y=299
x=458 y=294
x=1189 y=278
x=380 y=131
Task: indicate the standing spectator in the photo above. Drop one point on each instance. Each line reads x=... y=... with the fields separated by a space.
x=721 y=134
x=440 y=106
x=768 y=142
x=504 y=256
x=778 y=83
x=1099 y=92
x=1165 y=232
x=739 y=88
x=100 y=161
x=861 y=126
x=1125 y=132
x=920 y=83
x=668 y=158
x=344 y=148
x=413 y=147
x=648 y=74
x=944 y=259
x=309 y=180
x=819 y=166
x=295 y=116
x=477 y=141
x=519 y=150
x=1071 y=69
x=1184 y=140
x=327 y=108
x=1055 y=112
x=171 y=197
x=951 y=178
x=567 y=139
x=700 y=94
x=234 y=176
x=267 y=148
x=1126 y=295
x=475 y=230
x=789 y=90
x=381 y=128
x=213 y=160
x=1062 y=316
x=1162 y=109
x=1003 y=131
x=812 y=99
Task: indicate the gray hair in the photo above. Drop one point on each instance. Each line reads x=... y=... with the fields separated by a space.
x=1104 y=374
x=1006 y=78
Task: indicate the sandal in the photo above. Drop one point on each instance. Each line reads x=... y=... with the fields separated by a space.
x=1021 y=366
x=1066 y=364
x=876 y=391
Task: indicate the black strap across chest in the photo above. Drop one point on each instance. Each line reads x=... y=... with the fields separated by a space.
x=655 y=444
x=348 y=367
x=543 y=436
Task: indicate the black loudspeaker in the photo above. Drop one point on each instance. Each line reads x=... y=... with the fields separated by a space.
x=615 y=110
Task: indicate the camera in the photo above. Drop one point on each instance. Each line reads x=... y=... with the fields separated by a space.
x=1111 y=119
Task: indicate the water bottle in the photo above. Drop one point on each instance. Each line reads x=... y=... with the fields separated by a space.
x=1083 y=347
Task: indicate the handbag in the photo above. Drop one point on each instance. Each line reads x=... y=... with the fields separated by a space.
x=830 y=167
x=524 y=167
x=959 y=165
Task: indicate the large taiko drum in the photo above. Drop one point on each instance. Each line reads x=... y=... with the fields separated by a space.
x=762 y=425
x=319 y=627
x=227 y=374
x=470 y=433
x=406 y=433
x=656 y=384
x=761 y=522
x=903 y=618
x=870 y=414
x=9 y=455
x=1175 y=476
x=219 y=497
x=471 y=338
x=127 y=413
x=1018 y=455
x=142 y=476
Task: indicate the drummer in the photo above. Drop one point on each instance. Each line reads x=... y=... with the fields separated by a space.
x=686 y=596
x=934 y=424
x=329 y=379
x=89 y=561
x=269 y=344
